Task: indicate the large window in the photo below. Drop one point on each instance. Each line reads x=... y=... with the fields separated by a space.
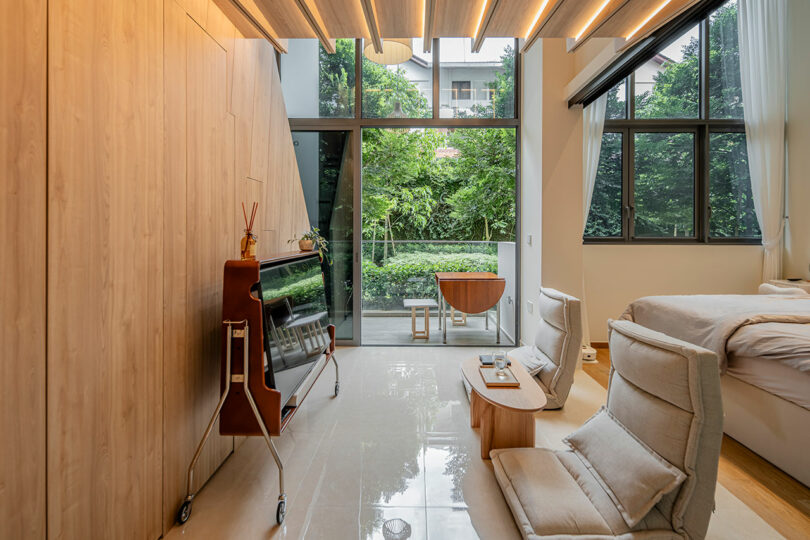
x=673 y=165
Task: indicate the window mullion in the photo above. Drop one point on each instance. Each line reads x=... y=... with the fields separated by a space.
x=628 y=177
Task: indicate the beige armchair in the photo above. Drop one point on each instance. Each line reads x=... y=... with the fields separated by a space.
x=553 y=358
x=643 y=467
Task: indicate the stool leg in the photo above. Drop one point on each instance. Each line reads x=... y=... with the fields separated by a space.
x=427 y=323
x=413 y=322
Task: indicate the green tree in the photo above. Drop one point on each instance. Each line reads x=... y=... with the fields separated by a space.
x=336 y=81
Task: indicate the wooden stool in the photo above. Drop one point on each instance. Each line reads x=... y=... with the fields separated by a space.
x=420 y=303
x=457 y=321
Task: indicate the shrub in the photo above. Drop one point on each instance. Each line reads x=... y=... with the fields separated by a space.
x=410 y=275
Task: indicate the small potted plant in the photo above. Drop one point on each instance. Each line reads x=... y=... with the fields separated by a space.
x=311 y=240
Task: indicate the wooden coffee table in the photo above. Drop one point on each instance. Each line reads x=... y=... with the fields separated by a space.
x=505 y=415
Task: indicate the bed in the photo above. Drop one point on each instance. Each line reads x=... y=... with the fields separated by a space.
x=763 y=346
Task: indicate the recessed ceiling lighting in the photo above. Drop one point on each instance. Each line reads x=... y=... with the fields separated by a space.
x=648 y=19
x=536 y=18
x=480 y=17
x=593 y=18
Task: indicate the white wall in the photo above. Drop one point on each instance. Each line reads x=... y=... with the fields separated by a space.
x=797 y=239
x=299 y=78
x=618 y=274
x=531 y=139
x=562 y=173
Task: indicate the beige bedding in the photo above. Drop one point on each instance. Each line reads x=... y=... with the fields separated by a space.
x=785 y=343
x=711 y=320
x=774 y=377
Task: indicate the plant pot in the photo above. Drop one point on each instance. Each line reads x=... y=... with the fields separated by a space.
x=306 y=245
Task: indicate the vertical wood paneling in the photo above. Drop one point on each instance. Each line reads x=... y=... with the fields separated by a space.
x=199 y=229
x=105 y=177
x=23 y=46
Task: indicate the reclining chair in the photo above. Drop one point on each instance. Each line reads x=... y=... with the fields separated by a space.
x=643 y=467
x=553 y=358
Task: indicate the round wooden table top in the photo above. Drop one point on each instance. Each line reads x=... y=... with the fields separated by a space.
x=528 y=397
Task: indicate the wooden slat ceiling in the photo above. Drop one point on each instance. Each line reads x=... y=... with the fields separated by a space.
x=462 y=18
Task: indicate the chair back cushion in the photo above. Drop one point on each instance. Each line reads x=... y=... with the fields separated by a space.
x=557 y=344
x=631 y=473
x=666 y=392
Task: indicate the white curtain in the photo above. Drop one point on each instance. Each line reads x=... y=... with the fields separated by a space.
x=593 y=124
x=763 y=71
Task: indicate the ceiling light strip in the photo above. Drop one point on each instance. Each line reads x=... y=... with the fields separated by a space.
x=542 y=17
x=371 y=24
x=487 y=11
x=592 y=19
x=536 y=18
x=644 y=23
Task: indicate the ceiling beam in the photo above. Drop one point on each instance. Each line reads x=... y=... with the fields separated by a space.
x=430 y=17
x=486 y=17
x=611 y=9
x=251 y=22
x=546 y=12
x=372 y=25
x=310 y=13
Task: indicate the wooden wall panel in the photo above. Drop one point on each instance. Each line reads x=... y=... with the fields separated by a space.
x=105 y=175
x=199 y=231
x=23 y=46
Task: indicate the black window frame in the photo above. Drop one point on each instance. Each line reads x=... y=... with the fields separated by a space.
x=703 y=126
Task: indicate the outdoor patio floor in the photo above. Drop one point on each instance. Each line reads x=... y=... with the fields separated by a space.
x=397 y=331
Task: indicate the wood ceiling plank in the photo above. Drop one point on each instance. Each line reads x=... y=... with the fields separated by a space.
x=632 y=14
x=570 y=17
x=372 y=24
x=513 y=18
x=285 y=17
x=400 y=18
x=539 y=22
x=600 y=19
x=430 y=21
x=249 y=20
x=343 y=18
x=483 y=25
x=310 y=12
x=456 y=18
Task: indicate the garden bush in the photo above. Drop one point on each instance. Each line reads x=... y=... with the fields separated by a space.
x=410 y=275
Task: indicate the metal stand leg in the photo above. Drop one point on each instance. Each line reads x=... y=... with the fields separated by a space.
x=486 y=320
x=444 y=319
x=440 y=308
x=337 y=375
x=498 y=328
x=281 y=509
x=185 y=509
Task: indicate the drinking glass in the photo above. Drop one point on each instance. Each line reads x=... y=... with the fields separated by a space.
x=499 y=359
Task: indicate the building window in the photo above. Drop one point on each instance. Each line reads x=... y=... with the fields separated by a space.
x=462 y=90
x=673 y=164
x=477 y=85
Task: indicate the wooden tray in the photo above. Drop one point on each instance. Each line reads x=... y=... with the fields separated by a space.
x=492 y=380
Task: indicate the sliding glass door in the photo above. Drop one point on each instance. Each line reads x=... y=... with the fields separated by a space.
x=326 y=165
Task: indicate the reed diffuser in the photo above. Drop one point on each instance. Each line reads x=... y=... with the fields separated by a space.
x=248 y=244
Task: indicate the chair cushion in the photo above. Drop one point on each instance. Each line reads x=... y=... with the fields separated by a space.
x=545 y=499
x=634 y=476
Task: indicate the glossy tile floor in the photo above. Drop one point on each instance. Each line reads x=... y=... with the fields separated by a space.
x=396 y=443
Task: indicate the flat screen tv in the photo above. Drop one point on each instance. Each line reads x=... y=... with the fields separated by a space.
x=295 y=319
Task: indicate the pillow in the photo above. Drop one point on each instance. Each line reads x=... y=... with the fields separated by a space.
x=767 y=288
x=634 y=476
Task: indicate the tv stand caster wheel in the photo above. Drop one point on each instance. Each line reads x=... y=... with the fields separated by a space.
x=184 y=512
x=337 y=388
x=281 y=511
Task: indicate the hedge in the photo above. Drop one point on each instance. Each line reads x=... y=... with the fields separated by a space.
x=410 y=275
